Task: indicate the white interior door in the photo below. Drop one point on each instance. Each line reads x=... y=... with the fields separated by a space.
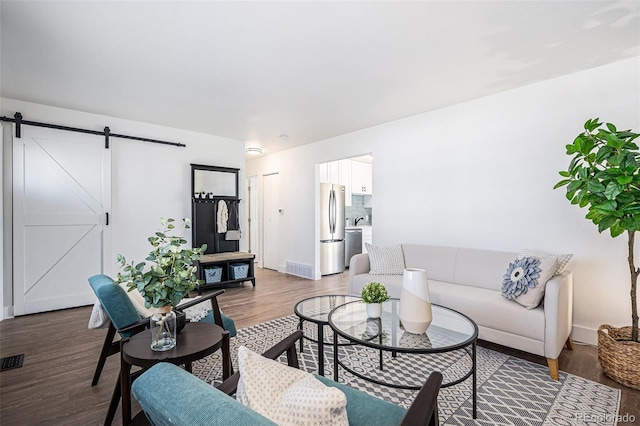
x=61 y=194
x=253 y=217
x=270 y=252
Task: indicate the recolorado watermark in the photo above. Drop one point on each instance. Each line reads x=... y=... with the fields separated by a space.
x=600 y=418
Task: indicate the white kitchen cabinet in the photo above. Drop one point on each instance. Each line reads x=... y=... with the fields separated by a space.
x=344 y=171
x=367 y=237
x=338 y=173
x=324 y=172
x=330 y=173
x=361 y=178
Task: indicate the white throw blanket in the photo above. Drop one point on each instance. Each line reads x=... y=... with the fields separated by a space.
x=223 y=216
x=99 y=317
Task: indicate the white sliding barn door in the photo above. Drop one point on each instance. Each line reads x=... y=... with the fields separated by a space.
x=61 y=194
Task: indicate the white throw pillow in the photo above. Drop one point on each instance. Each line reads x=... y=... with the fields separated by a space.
x=138 y=302
x=385 y=260
x=562 y=260
x=526 y=280
x=286 y=395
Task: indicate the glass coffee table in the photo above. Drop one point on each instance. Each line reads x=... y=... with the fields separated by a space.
x=316 y=310
x=449 y=331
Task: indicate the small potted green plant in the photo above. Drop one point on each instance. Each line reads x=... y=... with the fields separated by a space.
x=374 y=294
x=170 y=277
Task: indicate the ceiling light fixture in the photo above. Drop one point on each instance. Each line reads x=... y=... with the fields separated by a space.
x=284 y=137
x=253 y=150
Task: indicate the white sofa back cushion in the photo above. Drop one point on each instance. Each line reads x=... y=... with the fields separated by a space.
x=482 y=268
x=439 y=262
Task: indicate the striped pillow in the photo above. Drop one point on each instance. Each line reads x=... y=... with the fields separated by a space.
x=385 y=260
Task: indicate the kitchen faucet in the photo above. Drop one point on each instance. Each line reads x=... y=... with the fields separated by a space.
x=358 y=220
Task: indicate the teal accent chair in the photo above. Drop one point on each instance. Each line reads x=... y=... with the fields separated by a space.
x=194 y=402
x=125 y=320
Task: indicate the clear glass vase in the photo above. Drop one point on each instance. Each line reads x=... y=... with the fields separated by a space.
x=163 y=329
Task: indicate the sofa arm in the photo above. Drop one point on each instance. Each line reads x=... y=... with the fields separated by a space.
x=171 y=396
x=359 y=264
x=558 y=313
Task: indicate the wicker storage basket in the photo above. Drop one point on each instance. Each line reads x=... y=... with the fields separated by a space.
x=619 y=359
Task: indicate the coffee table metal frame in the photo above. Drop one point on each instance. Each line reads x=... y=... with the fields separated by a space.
x=320 y=318
x=468 y=345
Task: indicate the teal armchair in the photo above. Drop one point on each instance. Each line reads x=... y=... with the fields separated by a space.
x=127 y=321
x=194 y=402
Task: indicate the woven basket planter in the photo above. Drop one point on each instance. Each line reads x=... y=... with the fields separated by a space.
x=619 y=359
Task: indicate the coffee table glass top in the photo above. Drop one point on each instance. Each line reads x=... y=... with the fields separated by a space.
x=316 y=309
x=448 y=330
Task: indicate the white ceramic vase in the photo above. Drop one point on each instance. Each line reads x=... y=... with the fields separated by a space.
x=415 y=305
x=374 y=310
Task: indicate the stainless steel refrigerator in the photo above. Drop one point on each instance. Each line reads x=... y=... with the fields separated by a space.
x=331 y=229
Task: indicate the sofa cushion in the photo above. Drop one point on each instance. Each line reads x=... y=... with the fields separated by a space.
x=385 y=260
x=561 y=260
x=439 y=262
x=393 y=283
x=481 y=268
x=489 y=309
x=526 y=279
x=286 y=395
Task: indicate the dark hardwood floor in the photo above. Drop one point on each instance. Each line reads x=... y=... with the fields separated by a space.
x=54 y=384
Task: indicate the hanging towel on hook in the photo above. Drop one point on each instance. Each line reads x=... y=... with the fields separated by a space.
x=222 y=217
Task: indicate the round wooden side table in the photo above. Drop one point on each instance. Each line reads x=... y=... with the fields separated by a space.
x=196 y=341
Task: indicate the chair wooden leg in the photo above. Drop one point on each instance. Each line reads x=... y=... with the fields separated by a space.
x=113 y=405
x=569 y=344
x=554 y=371
x=104 y=353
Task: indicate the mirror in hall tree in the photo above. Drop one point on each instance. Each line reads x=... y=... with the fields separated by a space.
x=213 y=181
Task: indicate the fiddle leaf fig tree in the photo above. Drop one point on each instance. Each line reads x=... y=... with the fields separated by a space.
x=172 y=273
x=604 y=176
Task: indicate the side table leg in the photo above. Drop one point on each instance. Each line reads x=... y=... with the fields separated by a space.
x=125 y=387
x=320 y=349
x=227 y=367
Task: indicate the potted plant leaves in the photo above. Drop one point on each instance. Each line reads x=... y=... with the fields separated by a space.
x=604 y=176
x=374 y=294
x=169 y=278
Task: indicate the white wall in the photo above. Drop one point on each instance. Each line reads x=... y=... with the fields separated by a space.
x=480 y=174
x=149 y=181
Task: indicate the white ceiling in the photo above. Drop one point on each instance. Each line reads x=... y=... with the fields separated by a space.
x=252 y=71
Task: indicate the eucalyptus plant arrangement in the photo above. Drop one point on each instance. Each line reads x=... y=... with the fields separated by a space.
x=604 y=176
x=374 y=292
x=172 y=273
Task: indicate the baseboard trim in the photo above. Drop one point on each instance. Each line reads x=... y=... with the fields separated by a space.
x=585 y=335
x=7 y=312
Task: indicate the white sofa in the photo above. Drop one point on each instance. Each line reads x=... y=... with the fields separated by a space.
x=470 y=281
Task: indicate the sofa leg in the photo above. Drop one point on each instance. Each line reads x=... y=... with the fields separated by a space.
x=569 y=344
x=553 y=368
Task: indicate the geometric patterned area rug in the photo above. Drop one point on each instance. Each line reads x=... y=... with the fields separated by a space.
x=511 y=391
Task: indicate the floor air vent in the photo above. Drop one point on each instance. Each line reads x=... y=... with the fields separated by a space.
x=11 y=362
x=300 y=270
